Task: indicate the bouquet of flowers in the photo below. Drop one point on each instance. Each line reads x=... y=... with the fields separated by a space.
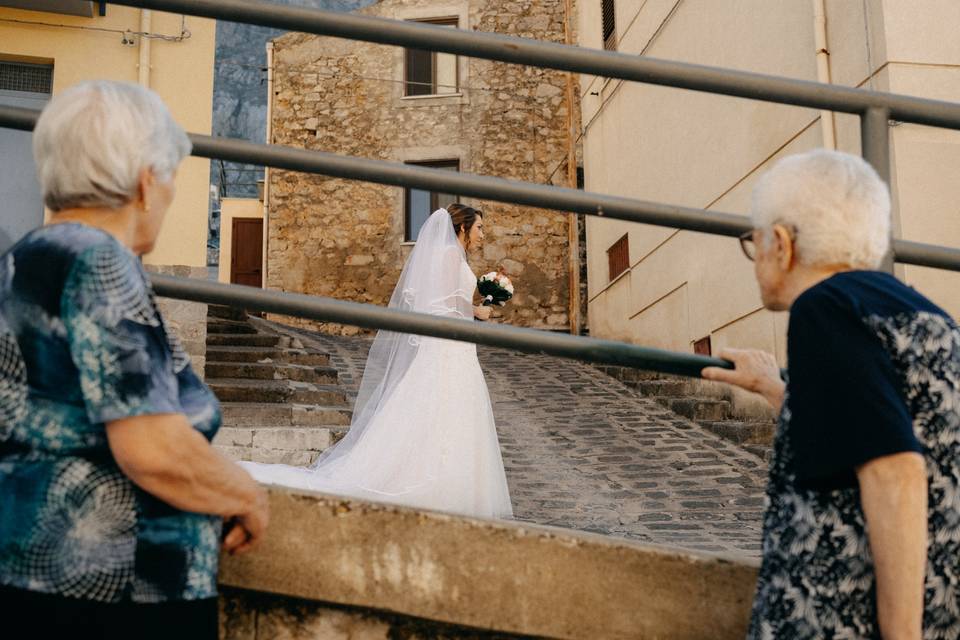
x=495 y=288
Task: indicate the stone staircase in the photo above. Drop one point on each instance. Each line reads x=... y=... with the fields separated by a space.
x=686 y=397
x=281 y=401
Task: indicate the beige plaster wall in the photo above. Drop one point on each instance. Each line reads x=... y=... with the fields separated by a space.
x=707 y=151
x=82 y=54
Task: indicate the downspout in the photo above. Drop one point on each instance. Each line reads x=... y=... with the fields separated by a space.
x=827 y=123
x=144 y=66
x=573 y=220
x=266 y=171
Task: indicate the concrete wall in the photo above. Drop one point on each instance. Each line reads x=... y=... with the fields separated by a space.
x=707 y=151
x=345 y=239
x=83 y=54
x=361 y=570
x=231 y=208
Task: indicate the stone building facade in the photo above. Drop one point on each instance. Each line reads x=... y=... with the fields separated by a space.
x=349 y=239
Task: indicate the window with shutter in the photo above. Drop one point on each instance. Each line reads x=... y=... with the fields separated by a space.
x=609 y=25
x=26 y=77
x=618 y=256
x=431 y=73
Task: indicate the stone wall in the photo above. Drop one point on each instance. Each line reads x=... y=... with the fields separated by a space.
x=248 y=615
x=187 y=319
x=343 y=238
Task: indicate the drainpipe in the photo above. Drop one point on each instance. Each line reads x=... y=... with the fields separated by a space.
x=144 y=66
x=573 y=220
x=827 y=123
x=266 y=171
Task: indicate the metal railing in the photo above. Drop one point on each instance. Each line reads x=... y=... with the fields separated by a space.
x=874 y=109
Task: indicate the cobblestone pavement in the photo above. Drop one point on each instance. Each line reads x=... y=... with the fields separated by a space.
x=583 y=451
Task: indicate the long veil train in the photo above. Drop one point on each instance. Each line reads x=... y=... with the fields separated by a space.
x=422 y=432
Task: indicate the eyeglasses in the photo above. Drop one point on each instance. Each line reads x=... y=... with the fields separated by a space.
x=749 y=247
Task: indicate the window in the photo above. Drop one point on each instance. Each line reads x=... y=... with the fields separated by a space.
x=419 y=204
x=26 y=86
x=618 y=256
x=703 y=347
x=429 y=73
x=609 y=26
x=25 y=77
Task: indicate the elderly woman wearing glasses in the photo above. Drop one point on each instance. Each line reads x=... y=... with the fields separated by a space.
x=862 y=528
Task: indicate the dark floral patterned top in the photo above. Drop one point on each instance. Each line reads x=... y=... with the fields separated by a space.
x=874 y=369
x=82 y=344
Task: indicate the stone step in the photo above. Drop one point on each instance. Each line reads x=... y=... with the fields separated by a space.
x=264 y=355
x=226 y=313
x=281 y=391
x=271 y=371
x=744 y=432
x=288 y=445
x=242 y=414
x=665 y=387
x=242 y=339
x=697 y=409
x=229 y=326
x=629 y=375
x=764 y=452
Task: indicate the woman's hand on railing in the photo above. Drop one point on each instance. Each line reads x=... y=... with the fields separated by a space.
x=246 y=530
x=754 y=370
x=169 y=459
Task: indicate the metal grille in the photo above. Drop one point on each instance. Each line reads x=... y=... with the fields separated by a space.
x=609 y=26
x=22 y=76
x=619 y=257
x=703 y=347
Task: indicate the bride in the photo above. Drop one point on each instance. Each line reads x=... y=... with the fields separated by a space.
x=422 y=433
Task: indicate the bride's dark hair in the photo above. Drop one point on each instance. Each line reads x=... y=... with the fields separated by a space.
x=463 y=218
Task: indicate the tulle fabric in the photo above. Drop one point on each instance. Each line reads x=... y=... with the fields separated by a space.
x=423 y=432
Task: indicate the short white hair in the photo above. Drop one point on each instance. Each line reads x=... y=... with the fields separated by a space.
x=92 y=141
x=836 y=202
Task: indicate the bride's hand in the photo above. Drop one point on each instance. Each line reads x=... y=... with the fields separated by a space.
x=481 y=313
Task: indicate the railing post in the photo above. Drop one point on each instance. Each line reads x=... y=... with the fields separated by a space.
x=875 y=146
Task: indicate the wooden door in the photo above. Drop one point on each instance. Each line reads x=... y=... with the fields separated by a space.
x=246 y=258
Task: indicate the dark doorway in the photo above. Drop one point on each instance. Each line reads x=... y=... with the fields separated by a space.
x=246 y=257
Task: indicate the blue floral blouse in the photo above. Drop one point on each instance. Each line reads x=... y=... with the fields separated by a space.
x=82 y=344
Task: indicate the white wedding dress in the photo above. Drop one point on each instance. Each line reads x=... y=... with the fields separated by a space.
x=423 y=432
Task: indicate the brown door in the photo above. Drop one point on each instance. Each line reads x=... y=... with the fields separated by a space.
x=246 y=261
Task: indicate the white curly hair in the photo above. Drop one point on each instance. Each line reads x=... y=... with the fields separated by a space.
x=835 y=201
x=92 y=141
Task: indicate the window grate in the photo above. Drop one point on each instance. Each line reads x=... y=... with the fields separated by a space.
x=609 y=25
x=21 y=76
x=703 y=347
x=618 y=256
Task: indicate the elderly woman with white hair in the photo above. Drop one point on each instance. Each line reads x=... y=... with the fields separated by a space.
x=861 y=535
x=111 y=497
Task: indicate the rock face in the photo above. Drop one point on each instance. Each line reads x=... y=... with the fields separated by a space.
x=240 y=95
x=345 y=239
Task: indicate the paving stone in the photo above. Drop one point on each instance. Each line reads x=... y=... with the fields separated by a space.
x=584 y=451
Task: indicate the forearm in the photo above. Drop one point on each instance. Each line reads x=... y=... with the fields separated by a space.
x=774 y=393
x=185 y=471
x=893 y=493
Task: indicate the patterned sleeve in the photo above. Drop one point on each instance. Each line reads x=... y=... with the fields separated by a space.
x=846 y=397
x=116 y=338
